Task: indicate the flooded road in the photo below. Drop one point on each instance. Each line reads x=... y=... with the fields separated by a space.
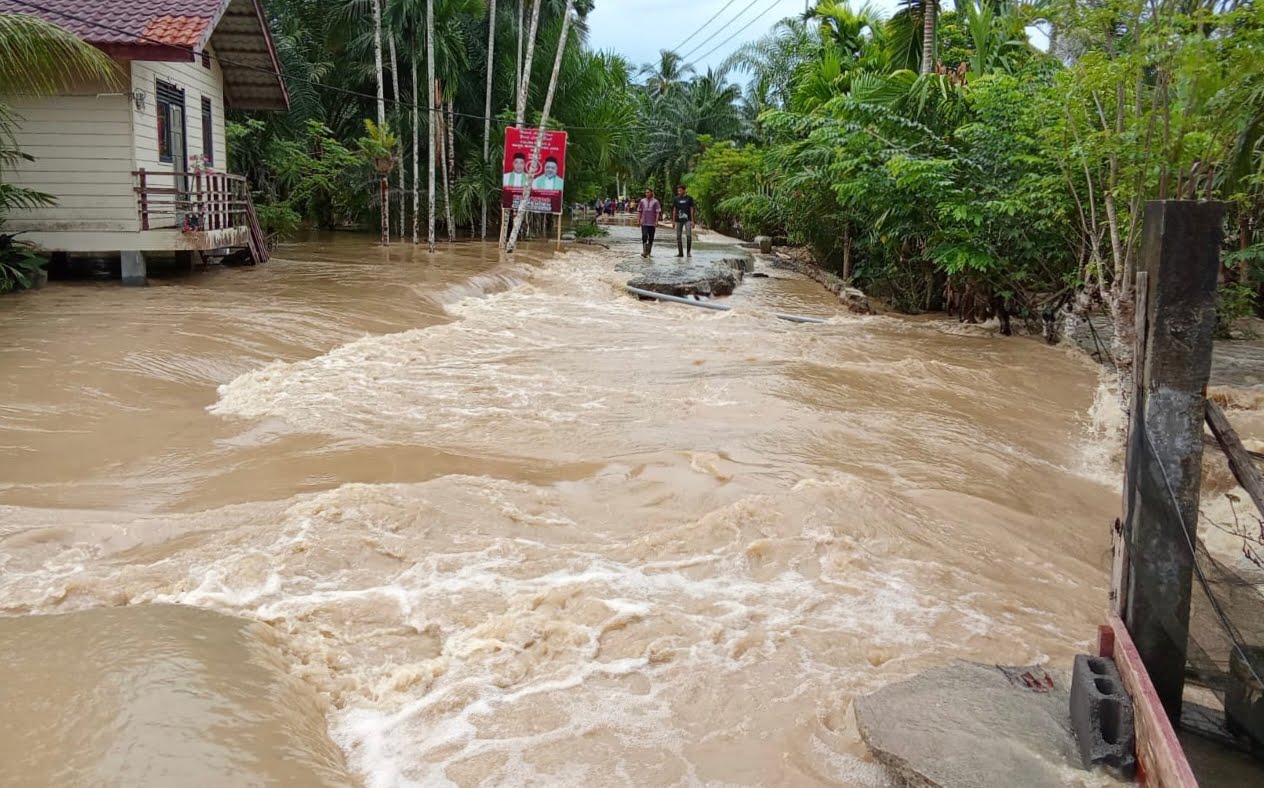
x=508 y=526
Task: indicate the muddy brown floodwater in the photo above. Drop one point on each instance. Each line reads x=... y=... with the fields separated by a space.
x=507 y=526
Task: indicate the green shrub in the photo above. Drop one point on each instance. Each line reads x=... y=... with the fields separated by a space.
x=588 y=230
x=20 y=268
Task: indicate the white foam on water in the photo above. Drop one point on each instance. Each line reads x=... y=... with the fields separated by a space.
x=770 y=520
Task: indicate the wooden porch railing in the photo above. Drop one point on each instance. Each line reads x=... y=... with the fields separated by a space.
x=199 y=202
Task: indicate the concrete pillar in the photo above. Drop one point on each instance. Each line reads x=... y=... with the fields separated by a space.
x=1180 y=254
x=187 y=259
x=133 y=268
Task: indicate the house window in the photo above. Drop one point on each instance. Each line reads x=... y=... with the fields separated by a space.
x=170 y=115
x=208 y=132
x=206 y=59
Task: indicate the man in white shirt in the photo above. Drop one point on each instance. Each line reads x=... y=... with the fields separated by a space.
x=549 y=181
x=519 y=175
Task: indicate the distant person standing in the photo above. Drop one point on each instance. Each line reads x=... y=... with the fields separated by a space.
x=682 y=217
x=647 y=211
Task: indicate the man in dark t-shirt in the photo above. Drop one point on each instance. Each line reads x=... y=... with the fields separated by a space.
x=682 y=217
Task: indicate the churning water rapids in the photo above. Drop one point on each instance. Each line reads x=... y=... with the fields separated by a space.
x=489 y=522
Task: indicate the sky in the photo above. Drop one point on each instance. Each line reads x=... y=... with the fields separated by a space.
x=638 y=29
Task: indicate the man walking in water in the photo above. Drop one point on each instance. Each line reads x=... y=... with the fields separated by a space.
x=648 y=210
x=682 y=217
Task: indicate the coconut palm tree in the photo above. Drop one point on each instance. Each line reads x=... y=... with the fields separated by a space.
x=430 y=125
x=379 y=144
x=416 y=163
x=773 y=60
x=544 y=115
x=518 y=57
x=487 y=104
x=449 y=172
x=403 y=174
x=929 y=14
x=525 y=84
x=38 y=57
x=377 y=61
x=670 y=69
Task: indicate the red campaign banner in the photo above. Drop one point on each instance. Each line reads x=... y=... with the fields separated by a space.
x=547 y=178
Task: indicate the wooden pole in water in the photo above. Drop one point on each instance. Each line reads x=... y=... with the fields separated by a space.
x=1180 y=254
x=1119 y=542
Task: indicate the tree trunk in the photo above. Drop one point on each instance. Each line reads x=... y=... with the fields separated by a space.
x=929 y=10
x=847 y=253
x=416 y=162
x=386 y=222
x=523 y=86
x=518 y=61
x=544 y=117
x=377 y=61
x=449 y=174
x=430 y=124
x=442 y=146
x=385 y=207
x=403 y=175
x=487 y=104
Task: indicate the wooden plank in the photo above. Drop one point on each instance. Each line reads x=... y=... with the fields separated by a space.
x=144 y=201
x=1160 y=760
x=1121 y=537
x=1240 y=463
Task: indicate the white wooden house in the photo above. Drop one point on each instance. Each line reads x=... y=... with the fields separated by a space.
x=142 y=168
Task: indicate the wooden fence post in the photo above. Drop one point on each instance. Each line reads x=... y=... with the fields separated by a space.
x=144 y=200
x=1120 y=540
x=1180 y=253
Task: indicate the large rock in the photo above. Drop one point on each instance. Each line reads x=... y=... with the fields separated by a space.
x=966 y=725
x=707 y=275
x=764 y=243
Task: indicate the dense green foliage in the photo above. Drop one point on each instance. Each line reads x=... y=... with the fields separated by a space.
x=1007 y=178
x=991 y=178
x=309 y=163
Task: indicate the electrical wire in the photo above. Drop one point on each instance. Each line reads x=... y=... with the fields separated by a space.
x=739 y=31
x=704 y=25
x=719 y=30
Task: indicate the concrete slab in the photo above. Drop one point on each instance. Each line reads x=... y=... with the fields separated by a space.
x=967 y=725
x=715 y=268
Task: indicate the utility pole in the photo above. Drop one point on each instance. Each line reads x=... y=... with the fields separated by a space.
x=1180 y=255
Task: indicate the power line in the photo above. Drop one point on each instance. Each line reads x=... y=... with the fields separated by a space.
x=287 y=77
x=704 y=25
x=720 y=30
x=741 y=30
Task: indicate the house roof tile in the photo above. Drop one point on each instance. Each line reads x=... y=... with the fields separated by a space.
x=178 y=30
x=126 y=21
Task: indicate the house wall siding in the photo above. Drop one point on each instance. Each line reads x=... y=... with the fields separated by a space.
x=83 y=152
x=88 y=145
x=197 y=81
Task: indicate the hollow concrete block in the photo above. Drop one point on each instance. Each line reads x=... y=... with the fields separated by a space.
x=1101 y=715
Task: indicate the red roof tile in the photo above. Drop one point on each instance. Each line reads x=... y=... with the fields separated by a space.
x=183 y=31
x=180 y=22
x=178 y=30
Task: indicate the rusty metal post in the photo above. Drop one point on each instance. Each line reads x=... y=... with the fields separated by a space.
x=1180 y=254
x=144 y=200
